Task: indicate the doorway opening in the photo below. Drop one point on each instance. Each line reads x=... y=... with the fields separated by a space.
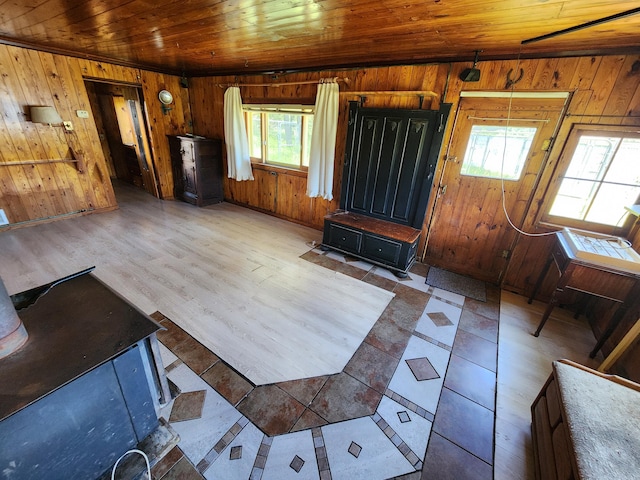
x=119 y=115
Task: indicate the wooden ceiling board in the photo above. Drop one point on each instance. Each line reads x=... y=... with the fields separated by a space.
x=199 y=37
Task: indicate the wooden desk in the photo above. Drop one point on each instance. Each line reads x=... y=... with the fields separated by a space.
x=621 y=287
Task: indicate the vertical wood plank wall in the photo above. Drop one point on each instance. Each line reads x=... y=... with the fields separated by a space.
x=32 y=192
x=600 y=87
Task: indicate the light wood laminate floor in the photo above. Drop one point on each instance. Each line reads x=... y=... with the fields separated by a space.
x=524 y=364
x=240 y=268
x=230 y=276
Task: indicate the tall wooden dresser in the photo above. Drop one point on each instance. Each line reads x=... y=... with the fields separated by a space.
x=197 y=169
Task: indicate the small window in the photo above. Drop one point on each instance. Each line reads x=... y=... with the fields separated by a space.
x=600 y=177
x=491 y=150
x=280 y=134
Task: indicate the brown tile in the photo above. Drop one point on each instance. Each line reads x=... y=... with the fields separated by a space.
x=421 y=269
x=304 y=390
x=493 y=294
x=379 y=281
x=309 y=419
x=446 y=461
x=227 y=382
x=343 y=397
x=406 y=307
x=475 y=349
x=197 y=357
x=439 y=319
x=466 y=424
x=372 y=367
x=422 y=369
x=310 y=256
x=471 y=381
x=173 y=335
x=188 y=406
x=487 y=309
x=351 y=271
x=387 y=336
x=271 y=409
x=166 y=464
x=479 y=325
x=183 y=470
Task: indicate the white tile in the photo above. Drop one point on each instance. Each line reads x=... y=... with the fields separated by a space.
x=444 y=334
x=414 y=433
x=450 y=296
x=283 y=450
x=198 y=436
x=240 y=469
x=424 y=393
x=379 y=458
x=167 y=356
x=412 y=280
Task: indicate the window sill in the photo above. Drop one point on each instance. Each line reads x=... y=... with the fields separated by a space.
x=284 y=170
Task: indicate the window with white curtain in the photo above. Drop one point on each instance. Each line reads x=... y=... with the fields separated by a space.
x=280 y=134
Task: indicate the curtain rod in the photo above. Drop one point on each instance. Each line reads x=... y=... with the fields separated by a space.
x=284 y=84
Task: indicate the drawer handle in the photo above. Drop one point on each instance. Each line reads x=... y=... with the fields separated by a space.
x=344 y=238
x=379 y=249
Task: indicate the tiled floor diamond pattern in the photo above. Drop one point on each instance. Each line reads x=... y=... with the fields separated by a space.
x=297 y=463
x=386 y=437
x=422 y=369
x=188 y=406
x=354 y=449
x=440 y=319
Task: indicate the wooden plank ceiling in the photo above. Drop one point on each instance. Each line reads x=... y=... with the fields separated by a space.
x=198 y=37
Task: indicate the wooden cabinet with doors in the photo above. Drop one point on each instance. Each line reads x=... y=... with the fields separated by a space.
x=197 y=169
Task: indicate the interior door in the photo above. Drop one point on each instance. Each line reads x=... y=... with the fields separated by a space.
x=496 y=142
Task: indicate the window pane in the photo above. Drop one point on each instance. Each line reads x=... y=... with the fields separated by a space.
x=486 y=150
x=255 y=142
x=573 y=198
x=591 y=157
x=284 y=142
x=307 y=143
x=608 y=207
x=625 y=167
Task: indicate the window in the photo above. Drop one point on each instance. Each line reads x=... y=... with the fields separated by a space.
x=487 y=156
x=600 y=176
x=280 y=134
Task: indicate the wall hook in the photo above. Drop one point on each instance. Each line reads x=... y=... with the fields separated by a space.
x=511 y=82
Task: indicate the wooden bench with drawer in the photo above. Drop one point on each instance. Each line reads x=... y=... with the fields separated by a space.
x=381 y=242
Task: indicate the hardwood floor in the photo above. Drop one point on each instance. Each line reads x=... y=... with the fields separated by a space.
x=226 y=262
x=524 y=364
x=230 y=276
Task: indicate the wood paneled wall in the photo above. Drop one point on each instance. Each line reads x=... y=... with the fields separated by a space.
x=605 y=90
x=31 y=191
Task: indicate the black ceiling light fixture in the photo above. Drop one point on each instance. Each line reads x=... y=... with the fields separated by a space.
x=471 y=74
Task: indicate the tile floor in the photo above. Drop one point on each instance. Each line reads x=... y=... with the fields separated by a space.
x=415 y=401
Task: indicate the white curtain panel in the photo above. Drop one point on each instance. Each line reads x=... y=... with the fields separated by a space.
x=323 y=141
x=235 y=137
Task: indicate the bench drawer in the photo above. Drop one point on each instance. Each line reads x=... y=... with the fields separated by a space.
x=382 y=249
x=345 y=238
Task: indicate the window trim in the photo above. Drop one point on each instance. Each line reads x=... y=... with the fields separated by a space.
x=564 y=160
x=302 y=110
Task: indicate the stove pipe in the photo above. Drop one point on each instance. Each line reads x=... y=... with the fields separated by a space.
x=13 y=335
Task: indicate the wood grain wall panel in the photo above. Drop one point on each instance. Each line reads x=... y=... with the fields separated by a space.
x=608 y=84
x=176 y=121
x=107 y=71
